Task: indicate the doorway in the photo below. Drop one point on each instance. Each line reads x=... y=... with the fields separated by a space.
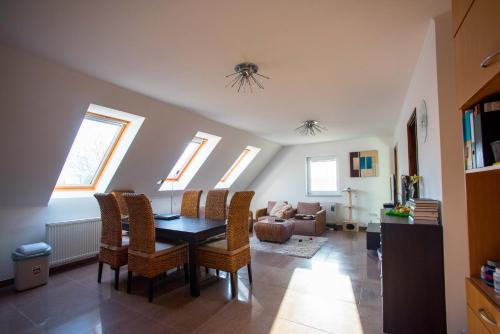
x=411 y=130
x=395 y=176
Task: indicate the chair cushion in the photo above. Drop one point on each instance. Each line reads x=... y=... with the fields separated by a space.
x=263 y=218
x=220 y=246
x=161 y=248
x=305 y=208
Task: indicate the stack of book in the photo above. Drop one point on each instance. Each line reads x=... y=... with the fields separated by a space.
x=424 y=211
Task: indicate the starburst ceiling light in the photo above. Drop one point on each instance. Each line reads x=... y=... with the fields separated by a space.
x=310 y=128
x=244 y=77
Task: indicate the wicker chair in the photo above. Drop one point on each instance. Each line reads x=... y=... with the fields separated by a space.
x=215 y=204
x=146 y=256
x=114 y=246
x=190 y=206
x=121 y=201
x=232 y=253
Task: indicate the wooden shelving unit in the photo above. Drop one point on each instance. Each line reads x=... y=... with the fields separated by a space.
x=482 y=169
x=477 y=39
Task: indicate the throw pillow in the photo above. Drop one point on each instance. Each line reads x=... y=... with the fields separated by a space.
x=279 y=209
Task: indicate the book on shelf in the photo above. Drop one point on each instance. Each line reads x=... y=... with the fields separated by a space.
x=467 y=140
x=481 y=127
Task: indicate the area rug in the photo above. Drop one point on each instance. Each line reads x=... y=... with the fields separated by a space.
x=297 y=245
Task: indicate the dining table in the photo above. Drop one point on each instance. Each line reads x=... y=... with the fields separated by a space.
x=193 y=231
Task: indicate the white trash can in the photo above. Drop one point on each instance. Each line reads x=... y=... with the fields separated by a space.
x=31 y=265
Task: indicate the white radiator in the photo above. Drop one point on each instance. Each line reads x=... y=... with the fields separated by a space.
x=73 y=240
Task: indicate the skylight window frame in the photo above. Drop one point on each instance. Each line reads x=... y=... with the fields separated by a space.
x=109 y=154
x=245 y=158
x=231 y=170
x=311 y=193
x=191 y=159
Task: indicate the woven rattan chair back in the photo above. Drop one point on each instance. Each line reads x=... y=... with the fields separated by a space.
x=111 y=233
x=190 y=206
x=215 y=205
x=141 y=223
x=121 y=201
x=237 y=221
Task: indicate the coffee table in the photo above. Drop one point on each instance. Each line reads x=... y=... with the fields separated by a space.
x=271 y=230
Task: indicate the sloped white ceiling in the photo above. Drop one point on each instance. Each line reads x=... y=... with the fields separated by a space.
x=346 y=63
x=42 y=105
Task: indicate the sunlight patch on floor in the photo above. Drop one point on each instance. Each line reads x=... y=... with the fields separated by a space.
x=328 y=305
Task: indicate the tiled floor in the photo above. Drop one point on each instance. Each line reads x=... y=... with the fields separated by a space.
x=337 y=291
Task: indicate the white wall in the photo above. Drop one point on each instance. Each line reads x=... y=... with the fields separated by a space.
x=285 y=177
x=423 y=86
x=441 y=157
x=42 y=105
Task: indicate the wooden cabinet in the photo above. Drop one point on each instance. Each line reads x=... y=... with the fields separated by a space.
x=477 y=39
x=413 y=277
x=486 y=312
x=483 y=198
x=460 y=9
x=475 y=325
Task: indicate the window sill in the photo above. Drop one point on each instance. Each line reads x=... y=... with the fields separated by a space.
x=323 y=195
x=72 y=193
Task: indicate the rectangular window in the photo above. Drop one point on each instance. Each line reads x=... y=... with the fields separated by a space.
x=241 y=163
x=189 y=154
x=322 y=176
x=190 y=161
x=94 y=145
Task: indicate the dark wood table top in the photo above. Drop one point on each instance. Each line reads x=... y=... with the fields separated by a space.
x=189 y=225
x=187 y=228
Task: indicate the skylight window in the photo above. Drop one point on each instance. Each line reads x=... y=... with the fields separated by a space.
x=100 y=145
x=186 y=158
x=322 y=176
x=243 y=161
x=190 y=161
x=94 y=144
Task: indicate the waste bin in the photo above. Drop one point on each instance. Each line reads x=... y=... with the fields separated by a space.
x=31 y=265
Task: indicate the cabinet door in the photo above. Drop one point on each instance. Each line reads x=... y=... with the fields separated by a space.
x=474 y=325
x=460 y=8
x=485 y=311
x=477 y=39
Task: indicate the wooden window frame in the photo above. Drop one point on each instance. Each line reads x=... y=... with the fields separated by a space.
x=106 y=160
x=242 y=156
x=186 y=167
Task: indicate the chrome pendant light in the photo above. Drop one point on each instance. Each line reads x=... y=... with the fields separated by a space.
x=245 y=77
x=310 y=128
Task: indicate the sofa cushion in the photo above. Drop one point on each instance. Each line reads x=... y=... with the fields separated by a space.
x=305 y=227
x=279 y=209
x=263 y=218
x=305 y=208
x=271 y=204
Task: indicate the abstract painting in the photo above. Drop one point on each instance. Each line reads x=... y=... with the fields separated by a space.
x=364 y=163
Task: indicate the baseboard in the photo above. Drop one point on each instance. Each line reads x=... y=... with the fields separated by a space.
x=58 y=269
x=6 y=282
x=72 y=265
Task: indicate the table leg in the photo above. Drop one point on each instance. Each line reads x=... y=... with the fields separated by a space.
x=194 y=269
